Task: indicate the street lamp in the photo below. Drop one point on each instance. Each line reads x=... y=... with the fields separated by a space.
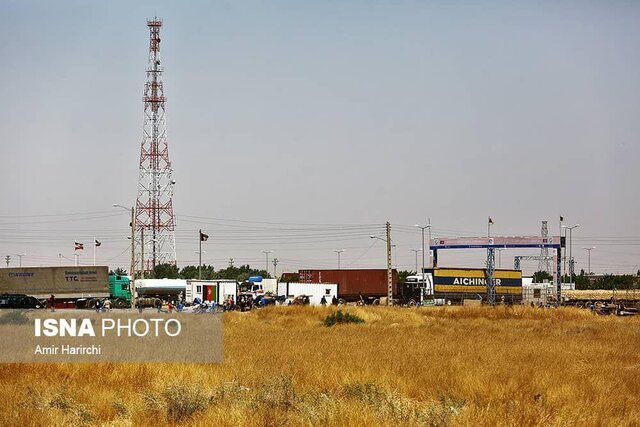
x=589 y=251
x=422 y=228
x=338 y=251
x=571 y=250
x=267 y=257
x=132 y=271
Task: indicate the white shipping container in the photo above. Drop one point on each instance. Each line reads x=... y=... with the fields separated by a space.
x=225 y=288
x=315 y=291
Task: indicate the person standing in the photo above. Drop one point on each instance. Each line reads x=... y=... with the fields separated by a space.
x=323 y=301
x=52 y=302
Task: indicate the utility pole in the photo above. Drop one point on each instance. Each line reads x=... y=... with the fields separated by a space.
x=20 y=258
x=200 y=254
x=589 y=251
x=389 y=269
x=7 y=260
x=416 y=253
x=429 y=246
x=275 y=266
x=266 y=253
x=571 y=251
x=338 y=251
x=423 y=248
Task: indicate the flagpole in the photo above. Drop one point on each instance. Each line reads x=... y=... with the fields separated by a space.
x=564 y=266
x=94 y=250
x=199 y=254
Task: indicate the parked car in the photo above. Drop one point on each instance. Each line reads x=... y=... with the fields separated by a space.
x=17 y=301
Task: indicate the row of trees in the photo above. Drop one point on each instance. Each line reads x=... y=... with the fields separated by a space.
x=585 y=281
x=207 y=272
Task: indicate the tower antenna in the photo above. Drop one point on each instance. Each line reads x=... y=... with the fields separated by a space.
x=154 y=203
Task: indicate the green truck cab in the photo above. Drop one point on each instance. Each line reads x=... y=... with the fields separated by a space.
x=120 y=290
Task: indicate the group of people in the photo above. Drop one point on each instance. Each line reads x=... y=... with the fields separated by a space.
x=103 y=305
x=177 y=307
x=334 y=300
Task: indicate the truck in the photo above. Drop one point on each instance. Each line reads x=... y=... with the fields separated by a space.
x=416 y=290
x=165 y=289
x=218 y=290
x=73 y=287
x=365 y=286
x=258 y=286
x=315 y=291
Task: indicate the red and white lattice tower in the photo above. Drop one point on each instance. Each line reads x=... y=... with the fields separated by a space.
x=154 y=206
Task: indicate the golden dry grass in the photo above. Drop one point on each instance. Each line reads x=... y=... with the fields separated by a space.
x=437 y=366
x=601 y=294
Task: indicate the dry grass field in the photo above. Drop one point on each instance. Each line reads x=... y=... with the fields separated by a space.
x=436 y=366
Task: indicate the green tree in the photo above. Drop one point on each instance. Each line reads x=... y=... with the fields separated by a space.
x=191 y=272
x=240 y=273
x=610 y=281
x=402 y=275
x=582 y=281
x=119 y=271
x=541 y=276
x=165 y=271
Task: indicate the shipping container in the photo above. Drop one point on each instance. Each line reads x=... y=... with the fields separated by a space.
x=211 y=290
x=458 y=284
x=63 y=282
x=371 y=284
x=315 y=291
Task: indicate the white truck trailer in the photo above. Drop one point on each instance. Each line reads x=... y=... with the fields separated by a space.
x=315 y=291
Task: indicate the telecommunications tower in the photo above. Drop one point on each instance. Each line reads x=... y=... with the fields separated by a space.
x=544 y=263
x=155 y=223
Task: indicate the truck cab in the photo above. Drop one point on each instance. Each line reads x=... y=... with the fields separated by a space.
x=416 y=289
x=120 y=290
x=257 y=286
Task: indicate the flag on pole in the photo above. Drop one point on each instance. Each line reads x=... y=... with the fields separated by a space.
x=561 y=218
x=98 y=243
x=79 y=246
x=203 y=237
x=490 y=220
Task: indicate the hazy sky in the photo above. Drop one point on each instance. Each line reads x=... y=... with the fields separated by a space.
x=344 y=114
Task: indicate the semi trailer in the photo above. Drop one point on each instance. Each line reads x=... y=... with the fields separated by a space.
x=72 y=287
x=459 y=284
x=363 y=285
